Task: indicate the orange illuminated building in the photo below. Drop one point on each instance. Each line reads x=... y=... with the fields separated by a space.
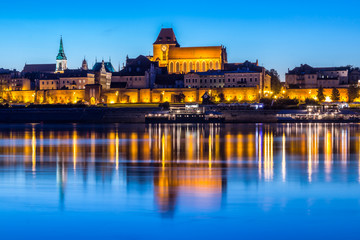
x=167 y=51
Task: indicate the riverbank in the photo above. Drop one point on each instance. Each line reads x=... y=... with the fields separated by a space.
x=118 y=115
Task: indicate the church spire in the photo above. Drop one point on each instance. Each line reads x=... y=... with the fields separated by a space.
x=61 y=60
x=61 y=55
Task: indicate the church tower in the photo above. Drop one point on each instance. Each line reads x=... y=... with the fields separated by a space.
x=61 y=60
x=84 y=65
x=161 y=46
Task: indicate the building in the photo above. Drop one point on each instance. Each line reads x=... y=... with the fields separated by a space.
x=138 y=73
x=39 y=68
x=103 y=73
x=238 y=75
x=168 y=53
x=61 y=60
x=76 y=79
x=306 y=76
x=11 y=80
x=69 y=79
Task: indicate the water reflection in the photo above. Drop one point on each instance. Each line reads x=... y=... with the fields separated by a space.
x=181 y=164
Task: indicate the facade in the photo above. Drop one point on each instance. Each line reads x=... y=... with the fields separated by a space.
x=246 y=75
x=61 y=60
x=354 y=76
x=13 y=81
x=103 y=73
x=70 y=79
x=138 y=73
x=168 y=53
x=306 y=76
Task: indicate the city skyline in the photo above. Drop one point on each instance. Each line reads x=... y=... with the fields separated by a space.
x=324 y=35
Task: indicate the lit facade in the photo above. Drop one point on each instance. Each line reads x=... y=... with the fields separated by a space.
x=168 y=53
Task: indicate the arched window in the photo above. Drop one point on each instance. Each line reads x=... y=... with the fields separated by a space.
x=171 y=67
x=203 y=67
x=211 y=66
x=191 y=66
x=197 y=67
x=185 y=67
x=217 y=65
x=177 y=67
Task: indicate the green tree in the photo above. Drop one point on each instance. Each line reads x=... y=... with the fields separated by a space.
x=320 y=94
x=353 y=92
x=335 y=95
x=275 y=81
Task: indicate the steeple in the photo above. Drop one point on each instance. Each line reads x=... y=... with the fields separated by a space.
x=84 y=65
x=61 y=60
x=61 y=54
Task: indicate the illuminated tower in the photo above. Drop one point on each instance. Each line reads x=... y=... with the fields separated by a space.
x=61 y=60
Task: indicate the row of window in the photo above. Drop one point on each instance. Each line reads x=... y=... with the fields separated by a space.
x=242 y=80
x=219 y=86
x=135 y=79
x=187 y=67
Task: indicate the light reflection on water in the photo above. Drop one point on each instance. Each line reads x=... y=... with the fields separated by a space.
x=256 y=175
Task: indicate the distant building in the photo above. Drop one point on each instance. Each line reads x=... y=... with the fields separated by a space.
x=138 y=73
x=354 y=76
x=306 y=76
x=103 y=73
x=69 y=79
x=238 y=75
x=39 y=68
x=168 y=53
x=11 y=80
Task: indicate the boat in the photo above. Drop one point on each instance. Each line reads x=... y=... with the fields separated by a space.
x=319 y=113
x=188 y=113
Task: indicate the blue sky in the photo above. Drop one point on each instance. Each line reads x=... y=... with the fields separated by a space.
x=281 y=34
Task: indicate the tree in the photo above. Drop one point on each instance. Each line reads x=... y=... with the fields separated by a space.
x=221 y=97
x=335 y=95
x=320 y=94
x=275 y=81
x=353 y=93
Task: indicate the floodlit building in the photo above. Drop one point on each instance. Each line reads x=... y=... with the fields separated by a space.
x=237 y=75
x=168 y=53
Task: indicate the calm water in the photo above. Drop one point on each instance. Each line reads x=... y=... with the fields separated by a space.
x=258 y=181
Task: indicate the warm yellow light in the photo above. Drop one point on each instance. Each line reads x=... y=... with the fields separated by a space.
x=112 y=102
x=327 y=99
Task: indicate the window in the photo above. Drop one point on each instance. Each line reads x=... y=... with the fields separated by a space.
x=177 y=67
x=185 y=69
x=171 y=67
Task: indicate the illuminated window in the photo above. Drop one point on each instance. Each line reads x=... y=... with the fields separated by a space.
x=197 y=66
x=211 y=65
x=203 y=66
x=171 y=67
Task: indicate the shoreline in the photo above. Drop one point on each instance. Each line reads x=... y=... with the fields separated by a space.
x=133 y=115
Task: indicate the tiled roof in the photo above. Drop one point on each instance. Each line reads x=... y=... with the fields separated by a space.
x=166 y=36
x=32 y=68
x=108 y=67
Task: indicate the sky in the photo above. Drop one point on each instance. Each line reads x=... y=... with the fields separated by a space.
x=280 y=34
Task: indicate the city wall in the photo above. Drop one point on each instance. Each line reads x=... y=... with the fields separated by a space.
x=250 y=94
x=302 y=94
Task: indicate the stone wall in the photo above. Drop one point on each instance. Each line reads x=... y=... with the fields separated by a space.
x=304 y=93
x=249 y=94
